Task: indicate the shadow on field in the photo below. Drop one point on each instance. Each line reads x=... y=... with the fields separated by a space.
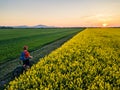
x=19 y=70
x=14 y=74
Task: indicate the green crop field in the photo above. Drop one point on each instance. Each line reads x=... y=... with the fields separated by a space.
x=88 y=61
x=13 y=40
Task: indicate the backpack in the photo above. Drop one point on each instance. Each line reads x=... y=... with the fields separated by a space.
x=22 y=56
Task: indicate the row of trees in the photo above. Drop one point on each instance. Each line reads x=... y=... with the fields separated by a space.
x=5 y=27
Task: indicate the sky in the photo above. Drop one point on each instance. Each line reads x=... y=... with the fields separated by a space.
x=62 y=13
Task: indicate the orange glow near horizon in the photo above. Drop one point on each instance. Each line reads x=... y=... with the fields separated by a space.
x=86 y=21
x=63 y=23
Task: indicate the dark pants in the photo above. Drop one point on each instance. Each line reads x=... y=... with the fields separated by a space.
x=26 y=62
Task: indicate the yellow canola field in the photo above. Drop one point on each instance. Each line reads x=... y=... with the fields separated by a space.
x=89 y=61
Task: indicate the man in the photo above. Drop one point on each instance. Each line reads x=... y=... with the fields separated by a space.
x=27 y=56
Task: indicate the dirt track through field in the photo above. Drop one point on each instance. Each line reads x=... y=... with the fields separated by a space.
x=7 y=68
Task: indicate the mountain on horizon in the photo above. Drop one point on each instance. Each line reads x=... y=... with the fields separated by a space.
x=25 y=26
x=22 y=26
x=42 y=26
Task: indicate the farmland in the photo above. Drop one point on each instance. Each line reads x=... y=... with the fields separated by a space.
x=90 y=60
x=13 y=40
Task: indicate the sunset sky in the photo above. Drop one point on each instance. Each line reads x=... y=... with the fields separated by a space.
x=60 y=12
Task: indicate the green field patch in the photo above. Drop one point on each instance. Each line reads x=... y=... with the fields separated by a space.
x=13 y=40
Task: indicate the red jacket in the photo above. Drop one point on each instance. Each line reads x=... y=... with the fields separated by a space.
x=27 y=54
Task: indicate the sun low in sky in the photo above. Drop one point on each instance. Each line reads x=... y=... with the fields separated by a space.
x=102 y=13
x=104 y=24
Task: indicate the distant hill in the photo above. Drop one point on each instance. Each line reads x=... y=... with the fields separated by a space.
x=22 y=26
x=42 y=26
x=25 y=26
